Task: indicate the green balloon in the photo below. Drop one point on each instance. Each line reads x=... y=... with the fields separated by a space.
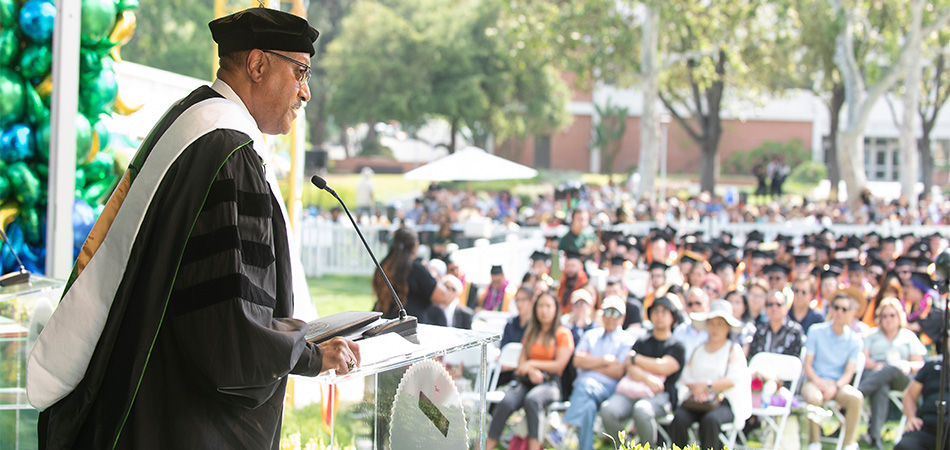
x=104 y=134
x=100 y=168
x=4 y=187
x=80 y=177
x=42 y=171
x=90 y=64
x=11 y=97
x=29 y=221
x=36 y=111
x=83 y=138
x=9 y=46
x=98 y=96
x=25 y=184
x=35 y=61
x=98 y=18
x=41 y=134
x=95 y=192
x=7 y=14
x=125 y=5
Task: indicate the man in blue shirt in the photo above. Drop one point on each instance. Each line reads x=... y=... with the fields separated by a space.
x=599 y=358
x=830 y=363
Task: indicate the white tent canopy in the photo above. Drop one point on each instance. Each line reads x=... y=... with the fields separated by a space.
x=471 y=164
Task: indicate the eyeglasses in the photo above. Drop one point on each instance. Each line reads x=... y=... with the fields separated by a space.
x=302 y=75
x=611 y=313
x=773 y=305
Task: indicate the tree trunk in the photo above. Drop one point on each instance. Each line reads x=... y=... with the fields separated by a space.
x=317 y=119
x=371 y=142
x=834 y=109
x=649 y=161
x=712 y=128
x=909 y=170
x=926 y=162
x=455 y=130
x=851 y=160
x=709 y=165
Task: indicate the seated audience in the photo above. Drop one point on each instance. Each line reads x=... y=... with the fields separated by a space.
x=457 y=315
x=830 y=362
x=581 y=317
x=716 y=367
x=803 y=293
x=780 y=334
x=599 y=359
x=739 y=307
x=688 y=333
x=656 y=361
x=547 y=346
x=893 y=354
x=498 y=293
x=514 y=329
x=920 y=303
x=756 y=295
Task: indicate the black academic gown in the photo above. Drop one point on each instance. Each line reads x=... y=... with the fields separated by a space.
x=198 y=344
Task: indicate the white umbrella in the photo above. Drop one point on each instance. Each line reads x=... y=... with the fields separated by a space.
x=471 y=164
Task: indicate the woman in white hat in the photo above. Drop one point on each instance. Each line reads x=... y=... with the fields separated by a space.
x=716 y=370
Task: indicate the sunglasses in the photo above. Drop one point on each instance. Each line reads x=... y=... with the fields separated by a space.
x=773 y=305
x=611 y=313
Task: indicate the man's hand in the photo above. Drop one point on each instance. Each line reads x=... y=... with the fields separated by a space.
x=913 y=424
x=655 y=384
x=828 y=391
x=342 y=355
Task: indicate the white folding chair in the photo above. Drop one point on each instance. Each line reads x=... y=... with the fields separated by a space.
x=509 y=357
x=897 y=398
x=779 y=367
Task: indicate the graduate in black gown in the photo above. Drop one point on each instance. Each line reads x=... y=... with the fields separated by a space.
x=175 y=329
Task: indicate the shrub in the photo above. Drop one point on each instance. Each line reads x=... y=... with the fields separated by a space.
x=740 y=163
x=808 y=173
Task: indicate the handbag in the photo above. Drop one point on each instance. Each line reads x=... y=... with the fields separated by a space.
x=691 y=404
x=634 y=389
x=518 y=443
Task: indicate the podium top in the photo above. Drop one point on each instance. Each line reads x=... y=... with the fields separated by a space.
x=433 y=341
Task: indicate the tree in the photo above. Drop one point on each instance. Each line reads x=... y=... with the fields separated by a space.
x=935 y=89
x=327 y=17
x=744 y=46
x=860 y=99
x=173 y=35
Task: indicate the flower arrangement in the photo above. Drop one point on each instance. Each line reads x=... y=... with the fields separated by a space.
x=768 y=392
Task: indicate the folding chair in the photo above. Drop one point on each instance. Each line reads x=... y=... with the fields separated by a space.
x=780 y=367
x=897 y=398
x=509 y=356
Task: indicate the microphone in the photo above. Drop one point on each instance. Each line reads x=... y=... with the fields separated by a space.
x=13 y=278
x=405 y=324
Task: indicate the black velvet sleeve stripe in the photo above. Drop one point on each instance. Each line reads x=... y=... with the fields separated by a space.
x=256 y=254
x=222 y=239
x=222 y=191
x=216 y=291
x=254 y=204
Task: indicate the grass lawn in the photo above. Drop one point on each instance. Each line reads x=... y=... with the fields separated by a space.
x=337 y=293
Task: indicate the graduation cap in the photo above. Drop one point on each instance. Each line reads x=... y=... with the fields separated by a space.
x=817 y=271
x=922 y=262
x=658 y=265
x=922 y=247
x=689 y=256
x=904 y=261
x=922 y=281
x=853 y=242
x=777 y=268
x=820 y=245
x=761 y=254
x=802 y=258
x=496 y=270
x=837 y=265
x=873 y=233
x=876 y=262
x=783 y=238
x=829 y=272
x=890 y=239
x=722 y=263
x=855 y=266
x=908 y=235
x=754 y=235
x=264 y=29
x=540 y=256
x=617 y=260
x=570 y=254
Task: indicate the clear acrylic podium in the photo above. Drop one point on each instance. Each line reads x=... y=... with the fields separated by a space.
x=24 y=310
x=466 y=354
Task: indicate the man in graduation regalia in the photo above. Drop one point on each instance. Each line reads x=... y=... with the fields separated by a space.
x=175 y=327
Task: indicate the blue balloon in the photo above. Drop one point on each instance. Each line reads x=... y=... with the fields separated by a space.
x=84 y=217
x=36 y=20
x=16 y=144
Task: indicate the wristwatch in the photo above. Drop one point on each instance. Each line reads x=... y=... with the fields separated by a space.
x=633 y=355
x=709 y=384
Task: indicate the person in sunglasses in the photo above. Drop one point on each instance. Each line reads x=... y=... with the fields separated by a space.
x=599 y=357
x=780 y=334
x=830 y=363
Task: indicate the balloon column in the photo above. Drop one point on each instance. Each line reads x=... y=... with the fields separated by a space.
x=26 y=29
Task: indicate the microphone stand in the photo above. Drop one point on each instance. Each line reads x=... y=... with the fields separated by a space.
x=405 y=324
x=12 y=278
